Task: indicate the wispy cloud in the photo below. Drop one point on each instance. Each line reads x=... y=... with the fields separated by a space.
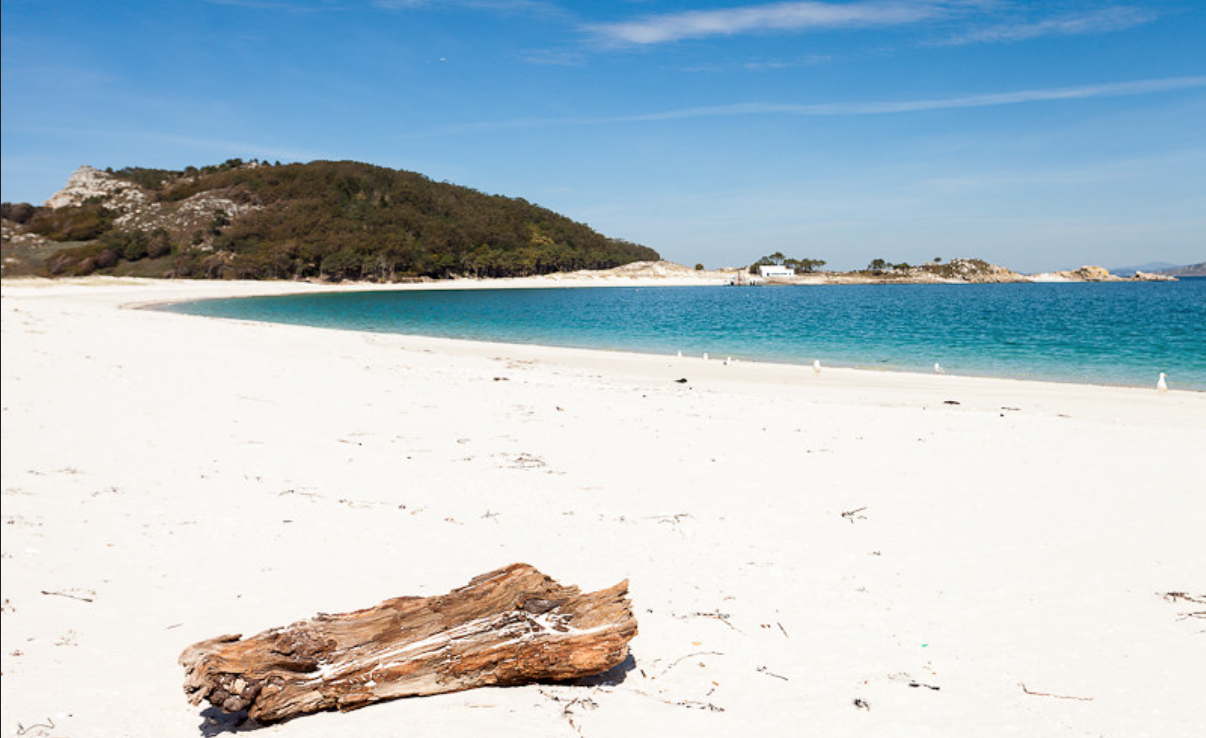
x=290 y=6
x=312 y=6
x=786 y=16
x=1105 y=20
x=500 y=6
x=810 y=60
x=1112 y=89
x=888 y=107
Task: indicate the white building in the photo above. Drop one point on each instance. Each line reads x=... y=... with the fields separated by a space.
x=774 y=270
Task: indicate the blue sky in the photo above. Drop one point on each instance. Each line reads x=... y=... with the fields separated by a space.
x=1037 y=135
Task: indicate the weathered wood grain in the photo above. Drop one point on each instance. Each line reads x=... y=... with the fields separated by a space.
x=506 y=627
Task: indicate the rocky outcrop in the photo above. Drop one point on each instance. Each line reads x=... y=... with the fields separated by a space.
x=1096 y=274
x=1148 y=277
x=87 y=184
x=138 y=208
x=976 y=271
x=195 y=214
x=17 y=235
x=1089 y=274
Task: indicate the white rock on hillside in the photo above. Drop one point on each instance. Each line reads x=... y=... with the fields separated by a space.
x=87 y=182
x=139 y=209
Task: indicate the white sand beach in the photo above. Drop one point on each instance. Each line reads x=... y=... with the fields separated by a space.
x=848 y=553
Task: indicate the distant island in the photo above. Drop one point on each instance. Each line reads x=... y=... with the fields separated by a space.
x=1163 y=268
x=775 y=269
x=1190 y=270
x=347 y=221
x=954 y=271
x=329 y=220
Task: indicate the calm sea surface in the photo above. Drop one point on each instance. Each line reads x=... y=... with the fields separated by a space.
x=1105 y=333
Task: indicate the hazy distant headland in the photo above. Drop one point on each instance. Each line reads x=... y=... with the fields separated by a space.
x=347 y=221
x=1189 y=270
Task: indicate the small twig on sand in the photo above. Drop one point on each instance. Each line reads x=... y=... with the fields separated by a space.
x=1057 y=696
x=1174 y=596
x=1197 y=599
x=718 y=615
x=764 y=670
x=681 y=659
x=689 y=704
x=68 y=595
x=696 y=705
x=23 y=729
x=567 y=712
x=853 y=515
x=674 y=519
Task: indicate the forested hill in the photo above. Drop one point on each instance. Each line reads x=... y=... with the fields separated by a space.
x=332 y=220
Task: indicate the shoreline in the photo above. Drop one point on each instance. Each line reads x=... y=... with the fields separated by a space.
x=240 y=289
x=196 y=290
x=794 y=542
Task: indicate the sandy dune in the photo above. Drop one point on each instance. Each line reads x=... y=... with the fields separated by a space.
x=843 y=554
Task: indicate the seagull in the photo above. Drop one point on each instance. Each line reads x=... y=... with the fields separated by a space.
x=938 y=368
x=1162 y=385
x=816 y=366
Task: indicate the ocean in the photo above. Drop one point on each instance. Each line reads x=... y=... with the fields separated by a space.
x=1116 y=333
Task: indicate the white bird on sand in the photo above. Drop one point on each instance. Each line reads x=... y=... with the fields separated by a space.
x=816 y=366
x=1162 y=385
x=938 y=368
x=705 y=357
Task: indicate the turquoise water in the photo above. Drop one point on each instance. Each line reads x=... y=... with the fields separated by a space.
x=1104 y=333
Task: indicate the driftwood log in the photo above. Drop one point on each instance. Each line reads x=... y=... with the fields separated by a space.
x=510 y=626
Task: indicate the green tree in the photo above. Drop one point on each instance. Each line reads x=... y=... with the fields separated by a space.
x=73 y=223
x=20 y=212
x=159 y=243
x=219 y=221
x=341 y=265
